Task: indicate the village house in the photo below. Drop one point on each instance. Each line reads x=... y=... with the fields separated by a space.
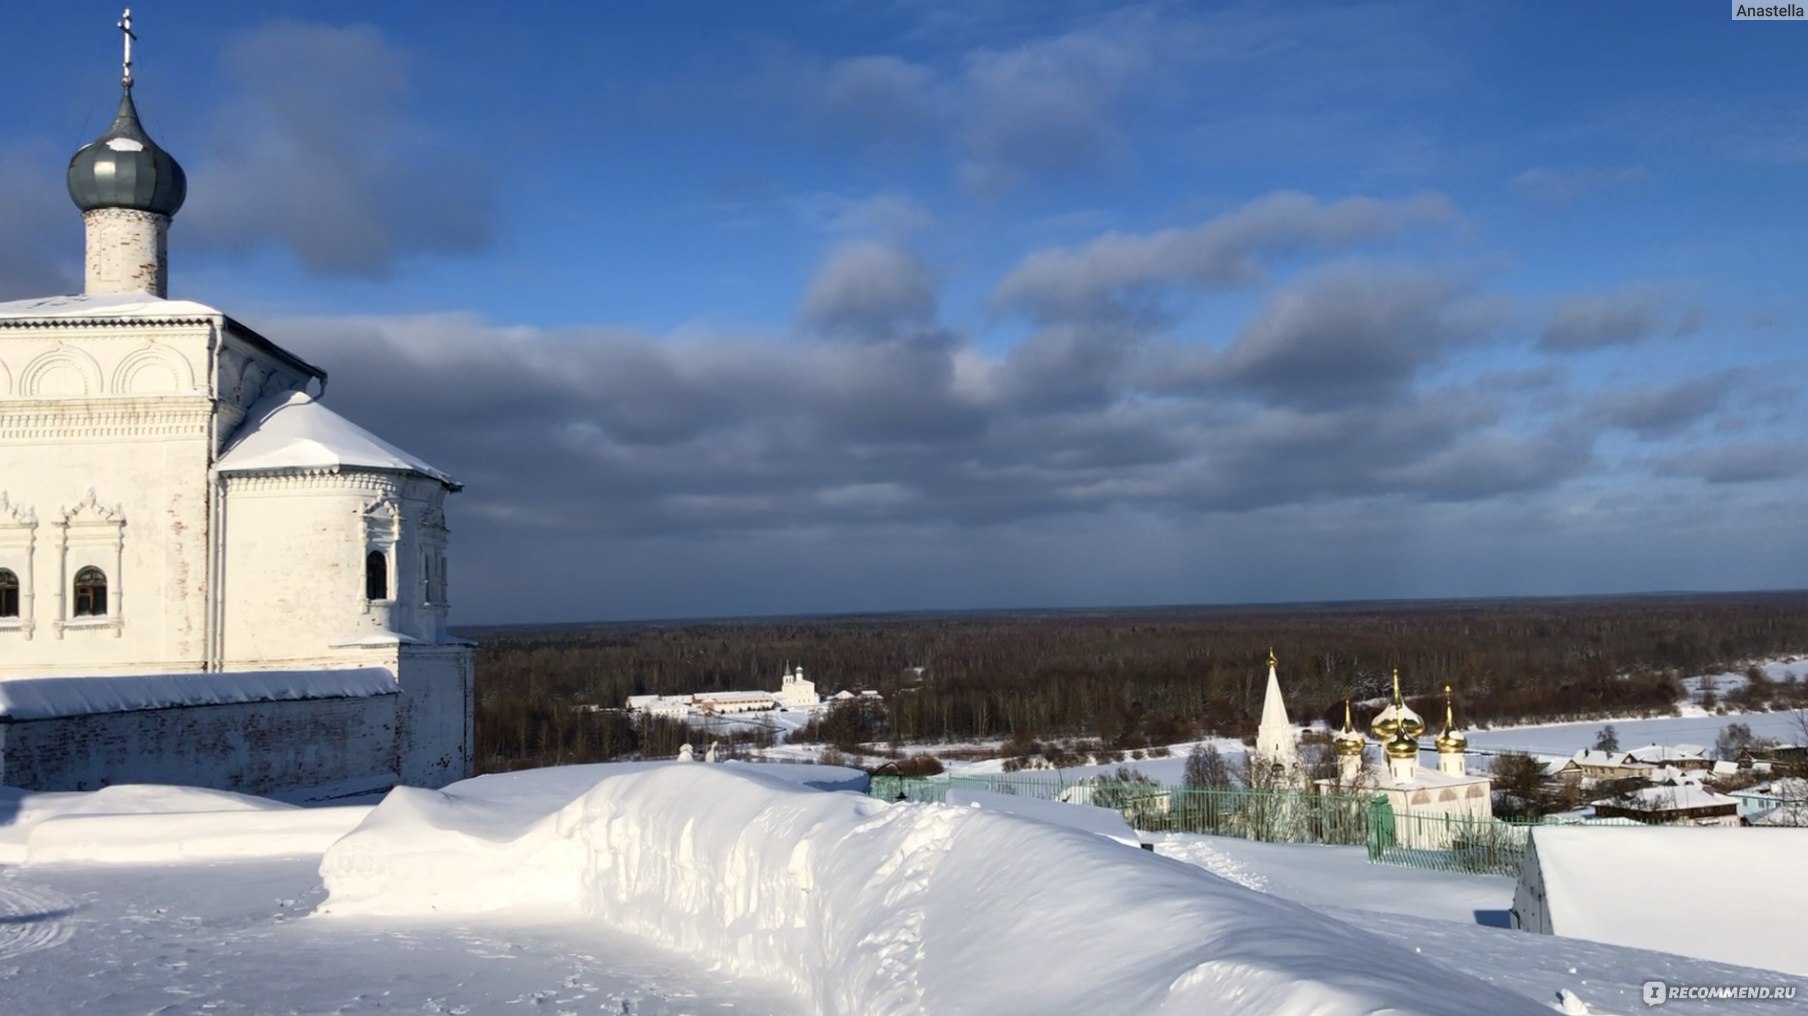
x=1779 y=802
x=1593 y=766
x=1683 y=803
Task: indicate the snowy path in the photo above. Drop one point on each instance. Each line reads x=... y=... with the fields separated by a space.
x=233 y=938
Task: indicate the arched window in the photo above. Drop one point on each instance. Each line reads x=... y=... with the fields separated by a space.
x=90 y=593
x=376 y=576
x=9 y=593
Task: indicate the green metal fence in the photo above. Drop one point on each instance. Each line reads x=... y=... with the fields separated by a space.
x=1432 y=842
x=1456 y=843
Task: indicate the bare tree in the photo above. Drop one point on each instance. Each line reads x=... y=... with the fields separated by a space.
x=1205 y=767
x=1737 y=737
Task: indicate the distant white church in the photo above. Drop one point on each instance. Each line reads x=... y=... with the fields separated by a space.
x=206 y=575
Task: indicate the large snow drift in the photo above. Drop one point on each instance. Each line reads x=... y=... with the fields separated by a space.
x=1728 y=894
x=864 y=908
x=153 y=824
x=1087 y=818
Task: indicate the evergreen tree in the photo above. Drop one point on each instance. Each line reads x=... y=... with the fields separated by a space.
x=1607 y=739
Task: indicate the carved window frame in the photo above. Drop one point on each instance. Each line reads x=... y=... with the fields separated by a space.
x=18 y=545
x=90 y=534
x=382 y=521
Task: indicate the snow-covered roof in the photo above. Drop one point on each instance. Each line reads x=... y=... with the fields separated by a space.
x=1666 y=753
x=123 y=309
x=1791 y=788
x=1682 y=797
x=733 y=696
x=1590 y=757
x=40 y=698
x=293 y=430
x=1671 y=776
x=1725 y=891
x=106 y=306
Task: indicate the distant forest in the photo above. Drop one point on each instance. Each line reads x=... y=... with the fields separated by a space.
x=1127 y=678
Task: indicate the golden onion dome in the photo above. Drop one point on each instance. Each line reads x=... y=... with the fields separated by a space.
x=1402 y=745
x=1408 y=721
x=1347 y=740
x=1396 y=718
x=1450 y=740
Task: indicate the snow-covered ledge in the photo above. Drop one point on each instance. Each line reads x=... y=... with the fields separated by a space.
x=41 y=698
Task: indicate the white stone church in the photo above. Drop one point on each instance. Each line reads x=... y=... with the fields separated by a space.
x=1429 y=806
x=206 y=575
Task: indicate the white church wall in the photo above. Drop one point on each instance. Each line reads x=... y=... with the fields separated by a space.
x=122 y=411
x=434 y=714
x=295 y=558
x=255 y=748
x=144 y=528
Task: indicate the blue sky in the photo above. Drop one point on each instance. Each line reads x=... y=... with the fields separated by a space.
x=733 y=308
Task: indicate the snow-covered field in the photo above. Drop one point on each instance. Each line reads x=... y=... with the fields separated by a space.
x=1699 y=729
x=668 y=888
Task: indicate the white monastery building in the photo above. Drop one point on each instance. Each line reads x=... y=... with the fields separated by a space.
x=206 y=575
x=795 y=692
x=1414 y=792
x=1423 y=801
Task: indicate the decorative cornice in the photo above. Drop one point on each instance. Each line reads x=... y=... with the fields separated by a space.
x=79 y=419
x=323 y=478
x=26 y=324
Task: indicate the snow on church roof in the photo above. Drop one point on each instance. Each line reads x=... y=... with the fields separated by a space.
x=108 y=306
x=294 y=431
x=131 y=308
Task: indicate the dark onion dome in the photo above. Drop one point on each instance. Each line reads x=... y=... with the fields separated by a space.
x=124 y=168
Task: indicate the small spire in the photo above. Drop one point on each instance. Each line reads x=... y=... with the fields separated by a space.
x=125 y=28
x=1397 y=687
x=1450 y=741
x=1272 y=662
x=1347 y=741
